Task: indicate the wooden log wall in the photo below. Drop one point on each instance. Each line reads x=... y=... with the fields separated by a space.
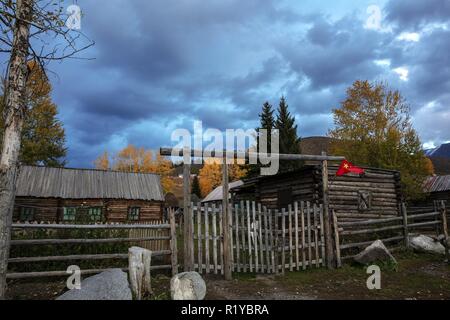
x=51 y=209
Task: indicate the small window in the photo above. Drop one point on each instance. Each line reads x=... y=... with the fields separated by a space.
x=133 y=213
x=69 y=213
x=95 y=214
x=27 y=213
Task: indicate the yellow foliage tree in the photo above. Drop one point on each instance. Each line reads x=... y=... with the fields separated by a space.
x=373 y=128
x=133 y=159
x=210 y=176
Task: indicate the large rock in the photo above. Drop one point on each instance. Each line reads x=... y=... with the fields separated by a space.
x=109 y=285
x=187 y=286
x=423 y=243
x=376 y=252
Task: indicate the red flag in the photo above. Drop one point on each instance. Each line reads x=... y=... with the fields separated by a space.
x=347 y=167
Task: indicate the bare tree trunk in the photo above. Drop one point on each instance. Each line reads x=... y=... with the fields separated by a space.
x=14 y=117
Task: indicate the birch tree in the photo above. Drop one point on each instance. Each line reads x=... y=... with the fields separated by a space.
x=29 y=30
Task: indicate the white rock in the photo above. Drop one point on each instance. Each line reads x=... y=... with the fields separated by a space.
x=424 y=243
x=111 y=284
x=373 y=253
x=187 y=286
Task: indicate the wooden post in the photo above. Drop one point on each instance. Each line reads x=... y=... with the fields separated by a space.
x=405 y=224
x=326 y=214
x=173 y=242
x=188 y=223
x=336 y=239
x=445 y=230
x=225 y=221
x=139 y=261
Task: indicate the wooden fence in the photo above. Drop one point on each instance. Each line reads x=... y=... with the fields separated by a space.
x=163 y=235
x=262 y=240
x=353 y=236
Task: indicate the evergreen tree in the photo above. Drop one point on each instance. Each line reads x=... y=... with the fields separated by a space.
x=43 y=136
x=195 y=189
x=289 y=141
x=267 y=121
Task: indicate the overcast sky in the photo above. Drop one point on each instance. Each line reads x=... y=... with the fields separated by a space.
x=160 y=65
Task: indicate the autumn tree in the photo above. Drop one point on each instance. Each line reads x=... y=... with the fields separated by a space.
x=289 y=141
x=43 y=136
x=373 y=128
x=210 y=176
x=134 y=159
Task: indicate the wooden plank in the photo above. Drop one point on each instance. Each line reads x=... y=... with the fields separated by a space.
x=302 y=218
x=271 y=238
x=405 y=224
x=326 y=216
x=322 y=236
x=316 y=235
x=250 y=255
x=283 y=240
x=230 y=223
x=84 y=241
x=220 y=236
x=266 y=239
x=369 y=222
x=243 y=229
x=276 y=236
x=214 y=239
x=236 y=226
x=187 y=241
x=207 y=251
x=255 y=236
x=336 y=239
x=308 y=222
x=366 y=243
x=261 y=257
x=173 y=242
x=191 y=236
x=226 y=225
x=199 y=240
x=291 y=247
x=89 y=226
x=297 y=258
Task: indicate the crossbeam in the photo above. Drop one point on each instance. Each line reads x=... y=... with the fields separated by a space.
x=247 y=155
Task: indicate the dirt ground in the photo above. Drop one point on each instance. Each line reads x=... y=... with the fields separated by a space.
x=416 y=277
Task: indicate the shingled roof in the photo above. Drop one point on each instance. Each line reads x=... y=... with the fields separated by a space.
x=66 y=183
x=437 y=184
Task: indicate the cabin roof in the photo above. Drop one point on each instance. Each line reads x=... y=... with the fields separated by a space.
x=437 y=184
x=216 y=194
x=69 y=183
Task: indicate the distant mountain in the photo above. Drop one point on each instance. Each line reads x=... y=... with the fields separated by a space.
x=443 y=151
x=440 y=157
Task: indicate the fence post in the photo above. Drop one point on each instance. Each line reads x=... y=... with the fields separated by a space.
x=187 y=215
x=327 y=222
x=445 y=230
x=336 y=239
x=226 y=222
x=405 y=224
x=173 y=242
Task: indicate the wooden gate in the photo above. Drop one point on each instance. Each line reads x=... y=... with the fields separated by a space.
x=262 y=240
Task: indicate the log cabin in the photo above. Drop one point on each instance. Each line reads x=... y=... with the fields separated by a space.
x=376 y=194
x=68 y=195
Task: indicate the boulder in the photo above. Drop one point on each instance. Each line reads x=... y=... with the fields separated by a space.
x=187 y=286
x=376 y=252
x=111 y=284
x=427 y=244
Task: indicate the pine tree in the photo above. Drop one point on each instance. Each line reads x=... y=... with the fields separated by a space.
x=267 y=121
x=195 y=189
x=289 y=141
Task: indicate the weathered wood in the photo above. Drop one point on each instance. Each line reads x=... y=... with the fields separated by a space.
x=308 y=222
x=369 y=222
x=238 y=249
x=173 y=242
x=316 y=236
x=374 y=230
x=84 y=241
x=405 y=224
x=226 y=223
x=322 y=236
x=88 y=226
x=445 y=230
x=220 y=236
x=199 y=240
x=271 y=238
x=243 y=229
x=255 y=236
x=139 y=262
x=297 y=258
x=276 y=235
x=261 y=257
x=327 y=220
x=336 y=240
x=291 y=247
x=366 y=243
x=303 y=235
x=214 y=239
x=250 y=251
x=187 y=241
x=207 y=251
x=266 y=239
